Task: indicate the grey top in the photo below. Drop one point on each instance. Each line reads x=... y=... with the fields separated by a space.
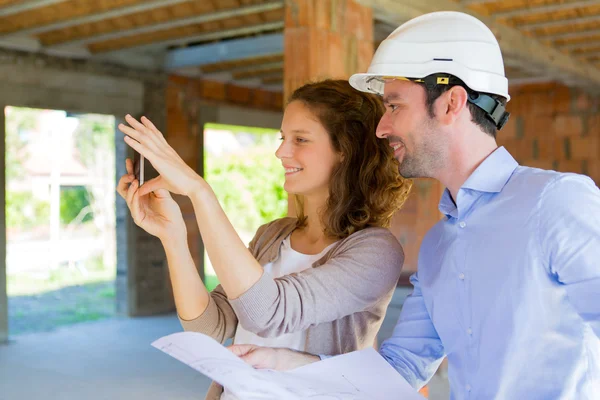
x=340 y=302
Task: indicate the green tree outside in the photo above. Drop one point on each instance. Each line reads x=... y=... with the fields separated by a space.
x=247 y=182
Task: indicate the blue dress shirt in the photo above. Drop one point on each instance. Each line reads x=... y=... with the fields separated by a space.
x=508 y=288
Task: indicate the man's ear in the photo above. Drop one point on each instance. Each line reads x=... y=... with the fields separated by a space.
x=452 y=104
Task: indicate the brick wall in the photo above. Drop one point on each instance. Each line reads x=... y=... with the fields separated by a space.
x=554 y=127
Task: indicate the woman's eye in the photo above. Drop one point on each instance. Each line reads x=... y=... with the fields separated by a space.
x=300 y=140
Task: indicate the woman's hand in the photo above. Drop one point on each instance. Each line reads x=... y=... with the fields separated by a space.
x=155 y=212
x=175 y=175
x=280 y=359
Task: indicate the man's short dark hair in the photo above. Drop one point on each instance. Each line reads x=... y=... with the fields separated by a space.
x=478 y=116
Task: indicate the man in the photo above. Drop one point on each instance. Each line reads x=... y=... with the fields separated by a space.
x=508 y=283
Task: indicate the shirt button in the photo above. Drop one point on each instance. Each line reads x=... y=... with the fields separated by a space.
x=468 y=387
x=470 y=331
x=461 y=276
x=462 y=224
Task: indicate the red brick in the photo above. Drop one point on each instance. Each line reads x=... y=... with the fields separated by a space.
x=279 y=100
x=570 y=166
x=594 y=125
x=298 y=13
x=521 y=149
x=545 y=148
x=356 y=20
x=365 y=54
x=509 y=131
x=514 y=106
x=594 y=170
x=585 y=148
x=561 y=99
x=568 y=125
x=512 y=145
x=559 y=150
x=263 y=99
x=541 y=126
x=213 y=90
x=543 y=164
x=322 y=17
x=582 y=102
x=238 y=94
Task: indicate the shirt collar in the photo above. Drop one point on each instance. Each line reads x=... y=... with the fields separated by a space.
x=490 y=176
x=493 y=173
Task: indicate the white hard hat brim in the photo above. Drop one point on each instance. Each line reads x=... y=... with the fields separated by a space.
x=478 y=81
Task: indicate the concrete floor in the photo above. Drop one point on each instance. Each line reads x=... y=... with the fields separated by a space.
x=113 y=359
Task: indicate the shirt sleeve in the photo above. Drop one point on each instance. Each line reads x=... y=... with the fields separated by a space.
x=569 y=219
x=415 y=349
x=218 y=319
x=355 y=279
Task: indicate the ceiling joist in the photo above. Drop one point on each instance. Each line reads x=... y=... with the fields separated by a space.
x=515 y=45
x=24 y=6
x=544 y=8
x=197 y=19
x=95 y=17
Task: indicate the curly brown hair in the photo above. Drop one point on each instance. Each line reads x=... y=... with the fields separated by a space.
x=365 y=188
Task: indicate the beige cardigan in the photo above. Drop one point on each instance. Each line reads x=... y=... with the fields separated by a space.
x=340 y=302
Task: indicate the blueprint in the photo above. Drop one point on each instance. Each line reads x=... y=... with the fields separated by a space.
x=360 y=375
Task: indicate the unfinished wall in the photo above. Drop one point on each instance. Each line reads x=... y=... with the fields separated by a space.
x=554 y=127
x=40 y=81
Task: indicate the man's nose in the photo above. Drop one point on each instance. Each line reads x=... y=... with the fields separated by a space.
x=384 y=128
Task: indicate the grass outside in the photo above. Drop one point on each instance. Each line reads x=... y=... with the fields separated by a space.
x=31 y=283
x=72 y=304
x=41 y=302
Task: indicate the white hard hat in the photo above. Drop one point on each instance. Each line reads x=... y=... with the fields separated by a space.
x=441 y=42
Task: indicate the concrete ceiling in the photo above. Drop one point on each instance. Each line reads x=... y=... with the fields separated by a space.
x=242 y=40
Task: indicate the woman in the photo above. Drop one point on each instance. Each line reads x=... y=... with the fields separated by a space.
x=319 y=282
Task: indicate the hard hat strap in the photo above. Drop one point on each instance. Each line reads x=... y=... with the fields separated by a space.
x=494 y=109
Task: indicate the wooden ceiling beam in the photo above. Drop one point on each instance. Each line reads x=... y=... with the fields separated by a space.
x=471 y=2
x=544 y=8
x=569 y=35
x=212 y=53
x=243 y=64
x=24 y=6
x=257 y=72
x=205 y=37
x=88 y=19
x=580 y=45
x=530 y=26
x=196 y=19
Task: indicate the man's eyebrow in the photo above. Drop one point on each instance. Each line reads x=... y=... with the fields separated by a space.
x=391 y=97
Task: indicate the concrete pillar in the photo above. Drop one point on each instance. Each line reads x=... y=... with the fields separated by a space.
x=143 y=285
x=3 y=295
x=125 y=289
x=325 y=39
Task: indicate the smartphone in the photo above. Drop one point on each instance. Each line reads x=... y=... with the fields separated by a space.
x=138 y=167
